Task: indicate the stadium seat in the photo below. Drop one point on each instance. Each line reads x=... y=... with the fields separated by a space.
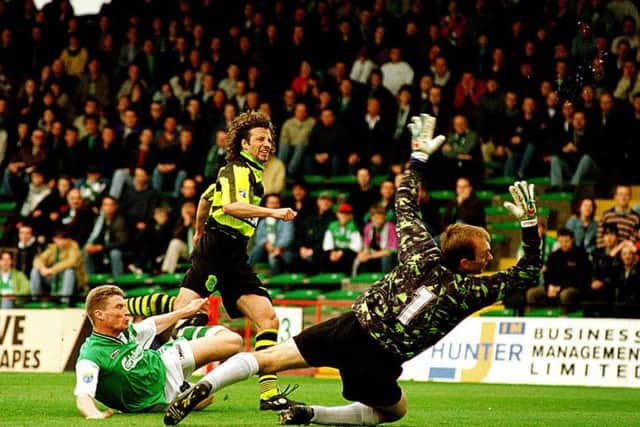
x=326 y=279
x=499 y=312
x=556 y=196
x=442 y=194
x=7 y=206
x=543 y=312
x=303 y=294
x=286 y=279
x=131 y=279
x=499 y=181
x=339 y=295
x=485 y=195
x=314 y=179
x=98 y=279
x=366 y=278
x=167 y=279
x=506 y=225
x=43 y=305
x=498 y=238
x=275 y=293
x=343 y=180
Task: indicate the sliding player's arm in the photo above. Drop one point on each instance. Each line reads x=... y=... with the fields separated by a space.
x=86 y=386
x=164 y=321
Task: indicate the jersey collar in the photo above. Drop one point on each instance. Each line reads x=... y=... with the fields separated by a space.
x=255 y=163
x=108 y=337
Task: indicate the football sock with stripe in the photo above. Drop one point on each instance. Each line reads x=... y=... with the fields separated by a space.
x=150 y=305
x=268 y=383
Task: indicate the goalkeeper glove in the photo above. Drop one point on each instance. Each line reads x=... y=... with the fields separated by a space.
x=524 y=208
x=423 y=143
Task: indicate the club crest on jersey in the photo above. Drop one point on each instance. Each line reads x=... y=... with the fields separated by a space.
x=243 y=194
x=87 y=378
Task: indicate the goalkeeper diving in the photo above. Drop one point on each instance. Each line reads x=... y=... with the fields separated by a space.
x=404 y=313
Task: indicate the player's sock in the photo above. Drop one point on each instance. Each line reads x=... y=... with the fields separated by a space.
x=354 y=414
x=268 y=383
x=237 y=368
x=150 y=305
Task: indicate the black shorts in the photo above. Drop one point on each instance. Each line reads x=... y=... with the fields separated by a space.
x=369 y=372
x=225 y=256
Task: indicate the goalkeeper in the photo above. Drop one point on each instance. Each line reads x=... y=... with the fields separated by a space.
x=403 y=314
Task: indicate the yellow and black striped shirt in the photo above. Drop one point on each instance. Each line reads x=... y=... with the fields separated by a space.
x=238 y=181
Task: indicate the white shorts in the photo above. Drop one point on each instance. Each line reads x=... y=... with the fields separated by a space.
x=179 y=363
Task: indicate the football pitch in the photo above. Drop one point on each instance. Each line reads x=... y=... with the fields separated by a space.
x=47 y=400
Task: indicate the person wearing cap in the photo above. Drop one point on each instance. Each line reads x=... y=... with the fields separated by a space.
x=380 y=244
x=342 y=241
x=407 y=311
x=61 y=267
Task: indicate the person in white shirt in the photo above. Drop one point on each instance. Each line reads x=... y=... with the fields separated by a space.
x=396 y=72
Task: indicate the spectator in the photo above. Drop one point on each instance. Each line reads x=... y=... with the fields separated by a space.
x=400 y=135
x=75 y=217
x=566 y=278
x=362 y=196
x=342 y=241
x=105 y=246
x=28 y=158
x=294 y=139
x=310 y=235
x=462 y=151
x=144 y=155
x=37 y=192
x=373 y=145
x=215 y=158
x=628 y=284
x=181 y=243
x=137 y=205
x=573 y=153
x=151 y=246
x=466 y=208
x=583 y=226
x=327 y=141
x=93 y=186
x=362 y=67
x=605 y=273
x=525 y=140
x=74 y=57
x=60 y=266
x=273 y=239
x=625 y=219
x=467 y=94
x=380 y=245
x=14 y=285
x=396 y=73
x=28 y=248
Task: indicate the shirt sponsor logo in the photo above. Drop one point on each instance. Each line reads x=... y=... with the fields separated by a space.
x=130 y=361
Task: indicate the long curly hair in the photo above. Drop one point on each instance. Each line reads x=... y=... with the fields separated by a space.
x=239 y=130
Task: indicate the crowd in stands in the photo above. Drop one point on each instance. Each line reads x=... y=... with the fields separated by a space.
x=112 y=125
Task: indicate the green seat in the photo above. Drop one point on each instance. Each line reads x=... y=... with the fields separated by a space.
x=343 y=179
x=556 y=197
x=503 y=312
x=485 y=195
x=42 y=305
x=506 y=225
x=167 y=279
x=368 y=278
x=379 y=179
x=442 y=194
x=173 y=292
x=327 y=279
x=7 y=206
x=142 y=291
x=495 y=210
x=4 y=219
x=543 y=312
x=498 y=238
x=303 y=294
x=275 y=293
x=314 y=179
x=340 y=295
x=285 y=279
x=132 y=279
x=539 y=180
x=543 y=211
x=99 y=279
x=577 y=314
x=332 y=193
x=499 y=180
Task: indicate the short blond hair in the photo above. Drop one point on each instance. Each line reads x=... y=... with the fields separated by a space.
x=97 y=298
x=457 y=242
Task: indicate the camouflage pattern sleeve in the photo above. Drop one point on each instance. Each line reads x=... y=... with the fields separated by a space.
x=415 y=244
x=486 y=290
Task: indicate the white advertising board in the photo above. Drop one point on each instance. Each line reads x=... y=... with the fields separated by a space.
x=290 y=322
x=559 y=351
x=38 y=340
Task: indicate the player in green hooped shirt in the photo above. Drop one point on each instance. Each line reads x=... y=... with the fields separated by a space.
x=407 y=311
x=117 y=368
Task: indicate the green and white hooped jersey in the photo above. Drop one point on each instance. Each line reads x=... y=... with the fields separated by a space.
x=122 y=373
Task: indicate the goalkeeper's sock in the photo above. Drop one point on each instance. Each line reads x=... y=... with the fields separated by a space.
x=237 y=368
x=150 y=305
x=353 y=414
x=268 y=383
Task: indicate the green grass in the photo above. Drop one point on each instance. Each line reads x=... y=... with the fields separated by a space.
x=47 y=400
